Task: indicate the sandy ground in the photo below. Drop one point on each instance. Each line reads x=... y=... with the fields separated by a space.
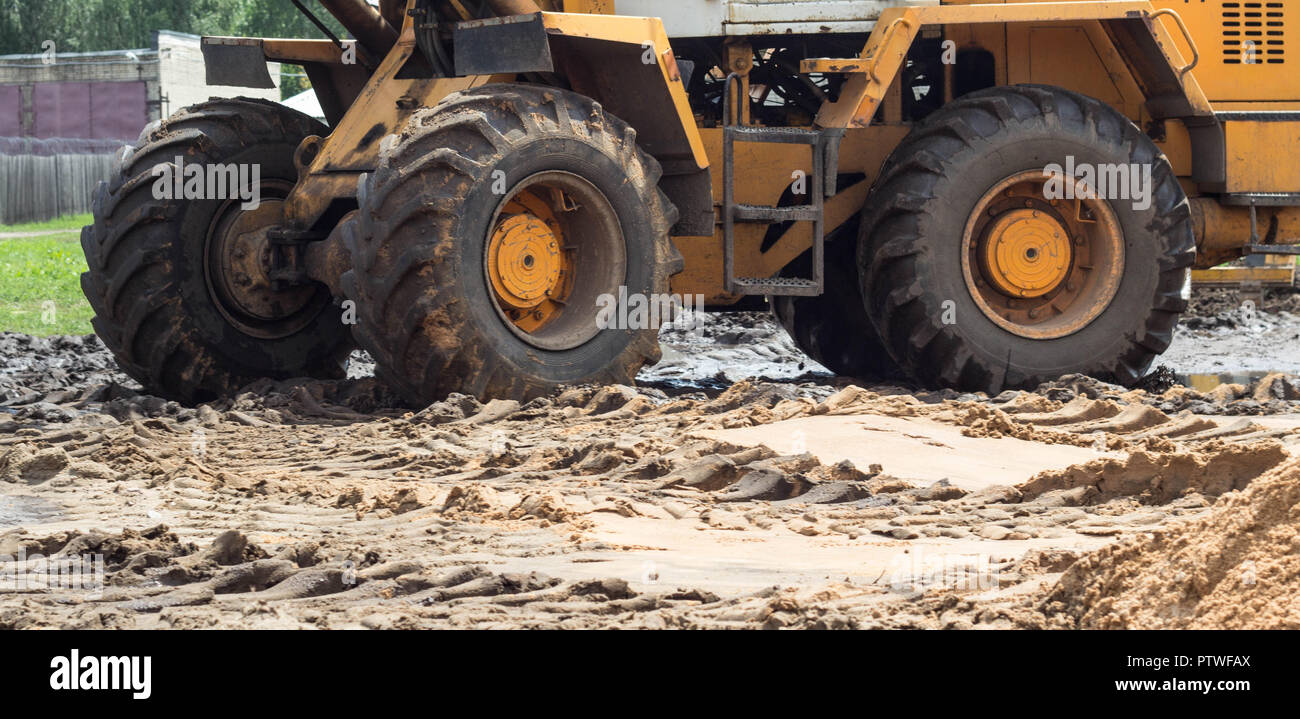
x=739 y=486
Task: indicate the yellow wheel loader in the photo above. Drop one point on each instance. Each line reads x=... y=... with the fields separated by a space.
x=972 y=194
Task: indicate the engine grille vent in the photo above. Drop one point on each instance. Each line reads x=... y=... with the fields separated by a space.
x=1253 y=33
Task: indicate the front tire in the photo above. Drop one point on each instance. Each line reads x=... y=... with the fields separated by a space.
x=980 y=279
x=490 y=235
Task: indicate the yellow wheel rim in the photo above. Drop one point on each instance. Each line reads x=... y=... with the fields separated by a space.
x=527 y=262
x=1038 y=266
x=1026 y=253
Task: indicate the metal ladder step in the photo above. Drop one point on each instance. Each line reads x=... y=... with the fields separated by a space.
x=785 y=135
x=825 y=156
x=792 y=286
x=786 y=213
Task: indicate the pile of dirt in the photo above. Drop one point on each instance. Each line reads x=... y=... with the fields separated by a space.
x=1215 y=468
x=1268 y=393
x=1208 y=302
x=1237 y=567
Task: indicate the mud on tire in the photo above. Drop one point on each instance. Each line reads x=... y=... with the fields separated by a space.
x=426 y=310
x=148 y=277
x=910 y=248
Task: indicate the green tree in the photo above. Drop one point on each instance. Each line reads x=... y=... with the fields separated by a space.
x=279 y=18
x=97 y=25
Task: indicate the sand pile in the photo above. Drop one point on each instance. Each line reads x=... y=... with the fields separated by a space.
x=1237 y=567
x=1157 y=477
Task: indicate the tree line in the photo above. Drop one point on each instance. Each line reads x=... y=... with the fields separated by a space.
x=96 y=25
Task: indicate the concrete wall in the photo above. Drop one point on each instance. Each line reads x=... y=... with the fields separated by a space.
x=182 y=76
x=59 y=99
x=102 y=100
x=171 y=73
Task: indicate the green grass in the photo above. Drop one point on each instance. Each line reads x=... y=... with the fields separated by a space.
x=71 y=223
x=40 y=286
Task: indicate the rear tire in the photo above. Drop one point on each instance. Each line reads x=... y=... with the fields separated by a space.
x=153 y=281
x=508 y=172
x=946 y=319
x=833 y=328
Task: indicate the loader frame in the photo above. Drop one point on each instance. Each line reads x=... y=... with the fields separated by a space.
x=630 y=66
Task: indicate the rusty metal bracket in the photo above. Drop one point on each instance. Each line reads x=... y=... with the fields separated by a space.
x=287 y=261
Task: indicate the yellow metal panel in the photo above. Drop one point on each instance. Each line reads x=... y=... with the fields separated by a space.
x=300 y=51
x=1261 y=156
x=1228 y=34
x=1257 y=106
x=897 y=27
x=1052 y=53
x=1177 y=146
x=596 y=7
x=647 y=32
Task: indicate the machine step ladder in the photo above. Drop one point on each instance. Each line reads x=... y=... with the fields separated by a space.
x=825 y=156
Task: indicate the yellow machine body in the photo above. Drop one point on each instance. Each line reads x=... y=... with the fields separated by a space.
x=1213 y=83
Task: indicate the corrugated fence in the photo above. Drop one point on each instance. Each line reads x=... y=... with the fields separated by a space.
x=43 y=179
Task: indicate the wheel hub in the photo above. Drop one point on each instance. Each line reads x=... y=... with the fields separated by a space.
x=525 y=262
x=1041 y=267
x=553 y=251
x=238 y=256
x=1026 y=253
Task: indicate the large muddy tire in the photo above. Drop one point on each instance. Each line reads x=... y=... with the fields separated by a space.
x=160 y=280
x=833 y=328
x=487 y=237
x=979 y=276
